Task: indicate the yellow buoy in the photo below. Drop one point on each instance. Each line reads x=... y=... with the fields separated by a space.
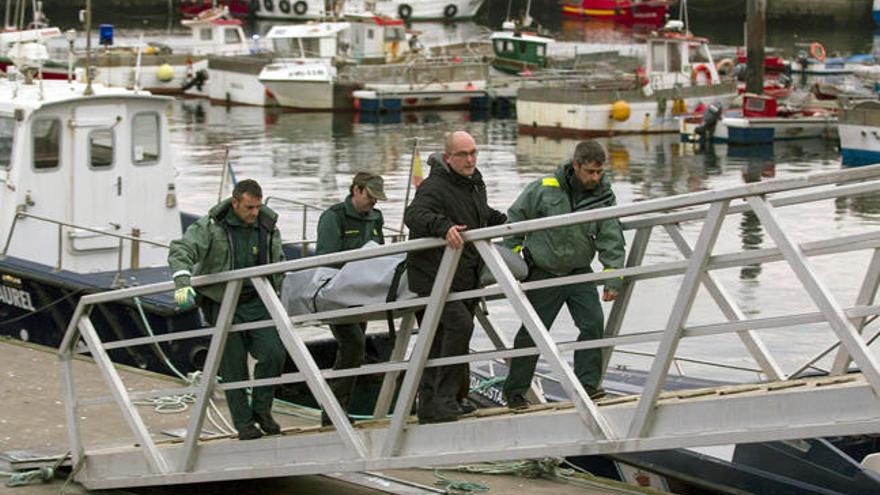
x=620 y=111
x=165 y=73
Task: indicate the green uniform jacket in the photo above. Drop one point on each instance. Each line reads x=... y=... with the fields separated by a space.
x=564 y=250
x=206 y=247
x=341 y=228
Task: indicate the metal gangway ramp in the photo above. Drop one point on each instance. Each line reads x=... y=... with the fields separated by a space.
x=782 y=406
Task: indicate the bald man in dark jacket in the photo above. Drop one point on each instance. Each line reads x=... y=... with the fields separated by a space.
x=452 y=199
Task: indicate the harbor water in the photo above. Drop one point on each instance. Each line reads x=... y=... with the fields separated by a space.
x=311 y=157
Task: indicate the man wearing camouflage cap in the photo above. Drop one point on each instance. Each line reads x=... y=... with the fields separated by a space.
x=349 y=225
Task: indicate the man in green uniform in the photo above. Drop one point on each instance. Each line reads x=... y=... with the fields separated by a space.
x=349 y=225
x=577 y=186
x=238 y=232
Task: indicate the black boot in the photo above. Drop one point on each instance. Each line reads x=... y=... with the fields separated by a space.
x=267 y=423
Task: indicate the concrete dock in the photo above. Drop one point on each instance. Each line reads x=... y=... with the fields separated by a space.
x=32 y=419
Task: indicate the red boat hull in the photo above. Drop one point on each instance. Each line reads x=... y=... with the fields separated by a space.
x=652 y=12
x=192 y=8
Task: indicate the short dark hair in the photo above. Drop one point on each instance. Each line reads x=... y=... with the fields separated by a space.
x=249 y=186
x=589 y=151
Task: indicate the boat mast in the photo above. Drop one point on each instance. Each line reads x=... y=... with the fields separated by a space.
x=6 y=17
x=88 y=91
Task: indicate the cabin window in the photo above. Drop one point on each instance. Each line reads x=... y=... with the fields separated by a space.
x=508 y=46
x=205 y=34
x=286 y=47
x=542 y=50
x=231 y=36
x=101 y=148
x=674 y=57
x=522 y=46
x=47 y=143
x=145 y=138
x=7 y=134
x=499 y=46
x=311 y=47
x=395 y=34
x=370 y=34
x=658 y=57
x=698 y=54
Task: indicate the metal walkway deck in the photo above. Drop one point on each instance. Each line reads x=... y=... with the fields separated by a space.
x=784 y=407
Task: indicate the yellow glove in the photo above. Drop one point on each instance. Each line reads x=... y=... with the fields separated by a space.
x=185 y=297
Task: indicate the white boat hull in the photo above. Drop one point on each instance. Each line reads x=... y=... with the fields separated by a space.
x=290 y=10
x=592 y=119
x=235 y=80
x=756 y=130
x=427 y=10
x=310 y=95
x=859 y=144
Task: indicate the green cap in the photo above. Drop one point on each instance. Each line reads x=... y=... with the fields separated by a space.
x=373 y=183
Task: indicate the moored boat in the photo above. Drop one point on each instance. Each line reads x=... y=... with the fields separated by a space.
x=679 y=74
x=762 y=121
x=417 y=10
x=860 y=132
x=629 y=12
x=354 y=57
x=159 y=69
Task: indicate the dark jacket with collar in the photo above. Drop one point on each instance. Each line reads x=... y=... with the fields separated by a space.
x=443 y=200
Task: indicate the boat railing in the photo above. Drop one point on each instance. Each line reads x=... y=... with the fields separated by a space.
x=135 y=238
x=633 y=424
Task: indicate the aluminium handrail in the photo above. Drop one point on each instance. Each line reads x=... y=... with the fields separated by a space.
x=695 y=269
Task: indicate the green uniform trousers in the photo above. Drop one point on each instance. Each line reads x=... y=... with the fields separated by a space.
x=351 y=340
x=586 y=311
x=265 y=346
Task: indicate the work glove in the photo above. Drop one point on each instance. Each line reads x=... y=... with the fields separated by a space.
x=185 y=297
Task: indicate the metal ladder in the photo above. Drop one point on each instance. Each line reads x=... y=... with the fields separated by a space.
x=783 y=407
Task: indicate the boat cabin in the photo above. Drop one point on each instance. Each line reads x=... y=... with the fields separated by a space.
x=216 y=34
x=675 y=57
x=376 y=39
x=100 y=164
x=759 y=105
x=319 y=40
x=516 y=50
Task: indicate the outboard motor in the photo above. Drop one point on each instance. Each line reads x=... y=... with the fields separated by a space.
x=784 y=80
x=711 y=116
x=739 y=72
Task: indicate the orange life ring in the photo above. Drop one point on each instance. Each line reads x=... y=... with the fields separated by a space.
x=817 y=51
x=701 y=68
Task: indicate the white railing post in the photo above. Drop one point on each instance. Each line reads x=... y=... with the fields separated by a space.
x=585 y=407
x=678 y=317
x=850 y=338
x=209 y=373
x=731 y=311
x=418 y=357
x=152 y=455
x=389 y=382
x=618 y=309
x=866 y=296
x=306 y=364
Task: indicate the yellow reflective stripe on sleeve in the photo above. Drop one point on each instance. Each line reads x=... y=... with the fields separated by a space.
x=550 y=182
x=517 y=249
x=350 y=232
x=611 y=270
